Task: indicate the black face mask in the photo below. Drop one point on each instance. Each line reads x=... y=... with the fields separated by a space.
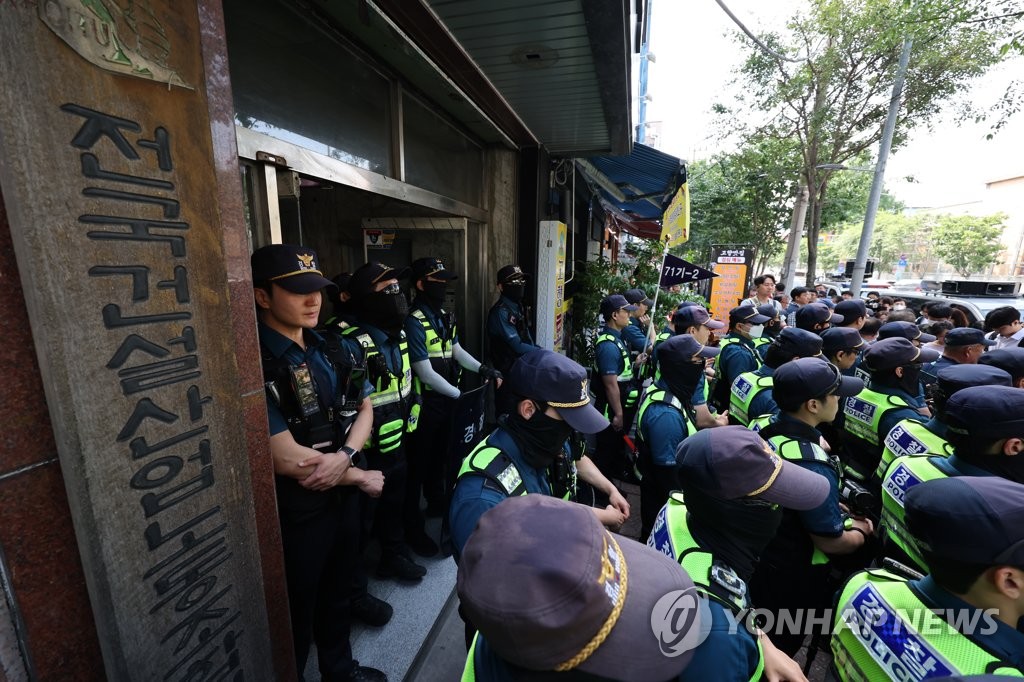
x=910 y=381
x=540 y=437
x=772 y=329
x=682 y=378
x=434 y=293
x=736 y=532
x=1010 y=468
x=387 y=312
x=513 y=292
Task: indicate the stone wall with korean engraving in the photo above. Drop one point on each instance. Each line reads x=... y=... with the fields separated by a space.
x=108 y=180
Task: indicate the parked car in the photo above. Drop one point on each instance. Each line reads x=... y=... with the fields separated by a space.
x=975 y=306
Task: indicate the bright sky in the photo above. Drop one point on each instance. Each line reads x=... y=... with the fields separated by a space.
x=694 y=59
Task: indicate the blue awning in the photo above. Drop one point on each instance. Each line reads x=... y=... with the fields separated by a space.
x=640 y=185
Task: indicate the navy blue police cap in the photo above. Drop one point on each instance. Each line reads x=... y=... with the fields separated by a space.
x=509 y=273
x=539 y=576
x=958 y=377
x=769 y=310
x=967 y=336
x=895 y=352
x=1009 y=359
x=851 y=309
x=800 y=380
x=903 y=330
x=799 y=342
x=293 y=268
x=733 y=463
x=431 y=267
x=816 y=313
x=836 y=339
x=637 y=296
x=693 y=316
x=987 y=412
x=977 y=518
x=682 y=348
x=552 y=378
x=615 y=302
x=747 y=313
x=365 y=279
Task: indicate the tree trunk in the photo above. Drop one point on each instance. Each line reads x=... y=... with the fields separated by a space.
x=813 y=229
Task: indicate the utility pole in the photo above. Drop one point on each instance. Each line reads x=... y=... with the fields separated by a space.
x=860 y=264
x=796 y=229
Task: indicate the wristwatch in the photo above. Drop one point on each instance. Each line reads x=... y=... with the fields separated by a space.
x=355 y=457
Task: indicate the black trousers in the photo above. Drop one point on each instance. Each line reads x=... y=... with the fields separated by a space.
x=320 y=554
x=610 y=453
x=383 y=517
x=428 y=458
x=657 y=483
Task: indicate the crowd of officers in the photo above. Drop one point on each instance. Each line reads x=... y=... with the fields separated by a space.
x=802 y=460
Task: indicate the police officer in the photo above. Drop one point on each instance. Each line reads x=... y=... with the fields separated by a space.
x=508 y=330
x=693 y=319
x=437 y=362
x=894 y=365
x=341 y=304
x=320 y=418
x=1010 y=360
x=905 y=330
x=552 y=400
x=816 y=317
x=842 y=347
x=963 y=346
x=794 y=571
x=912 y=437
x=665 y=418
x=616 y=387
x=772 y=328
x=985 y=426
x=733 y=490
x=378 y=340
x=738 y=354
x=565 y=594
x=635 y=334
x=961 y=619
x=751 y=396
x=853 y=311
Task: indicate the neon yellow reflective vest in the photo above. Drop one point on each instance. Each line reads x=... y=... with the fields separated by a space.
x=862 y=415
x=864 y=412
x=628 y=398
x=911 y=438
x=903 y=474
x=671 y=535
x=491 y=462
x=796 y=451
x=744 y=389
x=394 y=412
x=658 y=340
x=439 y=353
x=884 y=631
x=652 y=395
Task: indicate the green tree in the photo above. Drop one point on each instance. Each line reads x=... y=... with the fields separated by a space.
x=827 y=84
x=639 y=268
x=742 y=198
x=895 y=235
x=969 y=243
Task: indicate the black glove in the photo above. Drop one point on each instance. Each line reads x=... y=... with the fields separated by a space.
x=489 y=373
